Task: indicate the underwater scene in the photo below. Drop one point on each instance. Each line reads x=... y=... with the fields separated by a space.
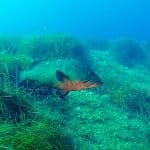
x=74 y=75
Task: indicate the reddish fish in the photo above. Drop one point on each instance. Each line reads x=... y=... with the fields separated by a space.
x=45 y=75
x=68 y=85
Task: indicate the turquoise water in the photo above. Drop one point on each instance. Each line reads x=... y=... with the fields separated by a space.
x=74 y=75
x=88 y=19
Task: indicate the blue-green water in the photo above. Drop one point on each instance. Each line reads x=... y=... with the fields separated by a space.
x=74 y=75
x=86 y=18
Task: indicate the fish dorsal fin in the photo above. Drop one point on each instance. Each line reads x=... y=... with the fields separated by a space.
x=61 y=76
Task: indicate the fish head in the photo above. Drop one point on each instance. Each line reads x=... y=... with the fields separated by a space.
x=94 y=78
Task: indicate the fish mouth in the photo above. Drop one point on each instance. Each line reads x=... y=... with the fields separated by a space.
x=101 y=83
x=98 y=81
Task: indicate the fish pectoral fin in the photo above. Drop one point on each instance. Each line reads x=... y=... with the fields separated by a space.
x=61 y=76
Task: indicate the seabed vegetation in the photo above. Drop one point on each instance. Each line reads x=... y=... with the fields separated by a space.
x=114 y=116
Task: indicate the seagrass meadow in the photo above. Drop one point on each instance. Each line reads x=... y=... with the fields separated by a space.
x=113 y=116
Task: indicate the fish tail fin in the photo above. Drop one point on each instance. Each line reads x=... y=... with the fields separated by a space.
x=64 y=79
